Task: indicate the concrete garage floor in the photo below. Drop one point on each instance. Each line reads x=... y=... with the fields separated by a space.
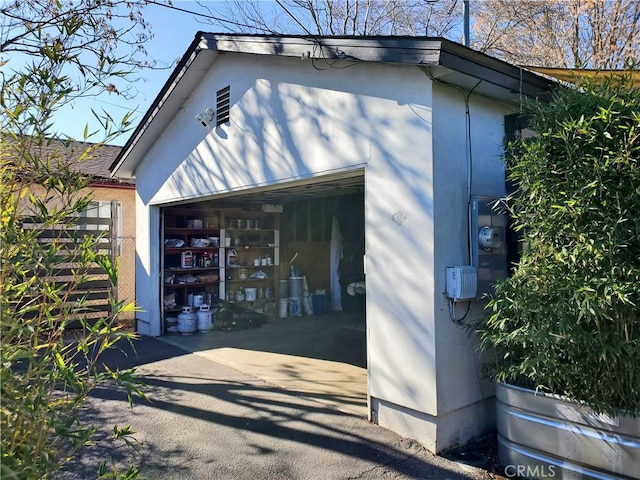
x=320 y=357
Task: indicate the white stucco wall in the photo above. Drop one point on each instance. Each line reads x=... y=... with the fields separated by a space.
x=462 y=392
x=291 y=121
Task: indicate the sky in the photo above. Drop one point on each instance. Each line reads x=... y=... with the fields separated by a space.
x=173 y=31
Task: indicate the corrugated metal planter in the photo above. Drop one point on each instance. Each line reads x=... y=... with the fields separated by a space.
x=546 y=436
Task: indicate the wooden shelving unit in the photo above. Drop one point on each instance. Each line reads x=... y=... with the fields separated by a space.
x=234 y=257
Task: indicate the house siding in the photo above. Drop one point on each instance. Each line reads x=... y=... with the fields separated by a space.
x=127 y=240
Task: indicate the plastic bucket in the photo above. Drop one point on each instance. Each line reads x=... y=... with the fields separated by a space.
x=250 y=294
x=295 y=306
x=284 y=289
x=198 y=299
x=295 y=286
x=319 y=304
x=284 y=305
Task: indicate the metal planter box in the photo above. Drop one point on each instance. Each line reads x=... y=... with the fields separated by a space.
x=546 y=436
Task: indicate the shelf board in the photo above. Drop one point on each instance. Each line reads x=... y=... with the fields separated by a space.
x=238 y=267
x=192 y=269
x=192 y=284
x=252 y=303
x=250 y=280
x=249 y=247
x=189 y=249
x=252 y=243
x=192 y=231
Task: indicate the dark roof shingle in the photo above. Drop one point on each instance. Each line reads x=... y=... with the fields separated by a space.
x=96 y=165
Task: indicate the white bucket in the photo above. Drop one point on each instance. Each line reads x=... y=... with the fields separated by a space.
x=295 y=306
x=198 y=299
x=205 y=319
x=284 y=305
x=250 y=294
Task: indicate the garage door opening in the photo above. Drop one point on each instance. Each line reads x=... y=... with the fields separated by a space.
x=276 y=313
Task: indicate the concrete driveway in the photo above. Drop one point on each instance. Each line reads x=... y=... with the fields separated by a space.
x=210 y=421
x=320 y=357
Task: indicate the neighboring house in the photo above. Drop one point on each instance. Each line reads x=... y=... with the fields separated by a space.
x=111 y=198
x=410 y=128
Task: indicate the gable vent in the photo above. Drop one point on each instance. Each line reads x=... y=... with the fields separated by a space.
x=222 y=106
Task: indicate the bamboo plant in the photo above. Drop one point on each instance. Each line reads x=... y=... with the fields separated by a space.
x=567 y=321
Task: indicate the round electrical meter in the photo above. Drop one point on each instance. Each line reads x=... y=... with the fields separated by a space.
x=490 y=238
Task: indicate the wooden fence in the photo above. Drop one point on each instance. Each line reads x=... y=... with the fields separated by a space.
x=90 y=297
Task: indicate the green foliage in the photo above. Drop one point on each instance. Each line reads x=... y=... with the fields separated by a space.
x=51 y=54
x=568 y=320
x=46 y=378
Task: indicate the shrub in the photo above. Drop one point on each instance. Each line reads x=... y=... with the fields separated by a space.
x=568 y=320
x=54 y=53
x=45 y=377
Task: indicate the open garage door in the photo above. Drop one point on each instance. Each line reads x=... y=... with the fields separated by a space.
x=311 y=347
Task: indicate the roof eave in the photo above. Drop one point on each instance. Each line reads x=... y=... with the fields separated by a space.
x=161 y=100
x=425 y=51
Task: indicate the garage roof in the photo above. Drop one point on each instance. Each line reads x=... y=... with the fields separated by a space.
x=442 y=59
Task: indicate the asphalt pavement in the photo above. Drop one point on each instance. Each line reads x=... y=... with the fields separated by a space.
x=206 y=420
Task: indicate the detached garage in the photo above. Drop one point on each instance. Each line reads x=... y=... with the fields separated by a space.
x=270 y=147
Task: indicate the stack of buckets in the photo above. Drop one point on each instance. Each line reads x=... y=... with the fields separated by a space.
x=291 y=297
x=296 y=288
x=294 y=300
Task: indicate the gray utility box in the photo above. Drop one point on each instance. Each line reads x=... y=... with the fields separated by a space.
x=488 y=242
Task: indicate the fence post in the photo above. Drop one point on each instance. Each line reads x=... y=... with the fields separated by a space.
x=115 y=247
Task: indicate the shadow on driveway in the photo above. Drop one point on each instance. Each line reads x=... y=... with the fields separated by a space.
x=208 y=421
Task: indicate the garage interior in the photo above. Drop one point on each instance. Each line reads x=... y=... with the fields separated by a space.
x=321 y=356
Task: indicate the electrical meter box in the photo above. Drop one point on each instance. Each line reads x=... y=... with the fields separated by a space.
x=488 y=229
